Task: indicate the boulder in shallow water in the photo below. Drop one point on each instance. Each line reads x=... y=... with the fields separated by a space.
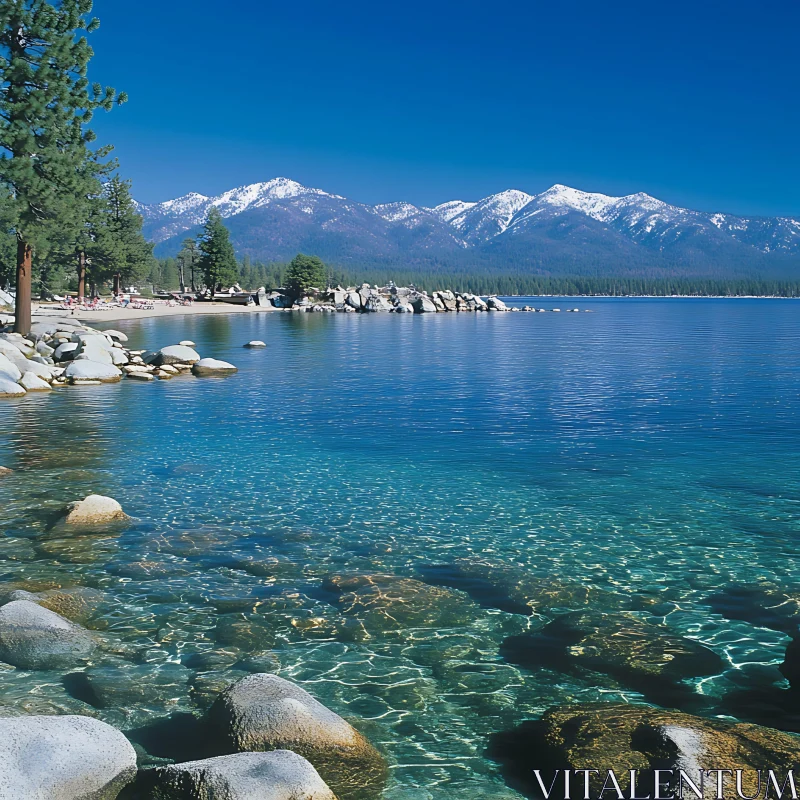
x=264 y=712
x=622 y=737
x=509 y=588
x=384 y=602
x=647 y=657
x=93 y=510
x=423 y=305
x=128 y=685
x=496 y=304
x=63 y=758
x=279 y=775
x=5 y=471
x=32 y=637
x=85 y=371
x=187 y=343
x=256 y=343
x=175 y=354
x=213 y=366
x=117 y=336
x=33 y=383
x=9 y=388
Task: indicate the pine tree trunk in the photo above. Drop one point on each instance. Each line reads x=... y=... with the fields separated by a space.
x=22 y=309
x=116 y=283
x=81 y=275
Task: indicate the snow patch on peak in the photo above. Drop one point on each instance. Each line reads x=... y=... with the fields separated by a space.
x=255 y=195
x=448 y=211
x=396 y=212
x=492 y=215
x=180 y=205
x=592 y=204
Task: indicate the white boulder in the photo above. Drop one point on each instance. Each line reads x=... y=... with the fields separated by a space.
x=33 y=383
x=213 y=366
x=256 y=343
x=63 y=758
x=85 y=370
x=9 y=369
x=176 y=354
x=278 y=775
x=94 y=509
x=9 y=388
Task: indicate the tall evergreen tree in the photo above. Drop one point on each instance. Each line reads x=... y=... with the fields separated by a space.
x=188 y=259
x=304 y=273
x=217 y=259
x=46 y=102
x=118 y=250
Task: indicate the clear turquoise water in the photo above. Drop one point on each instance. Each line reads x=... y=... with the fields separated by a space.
x=648 y=448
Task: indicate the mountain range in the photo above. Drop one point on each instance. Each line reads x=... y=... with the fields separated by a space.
x=562 y=231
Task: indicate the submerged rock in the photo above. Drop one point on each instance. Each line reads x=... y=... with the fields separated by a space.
x=509 y=588
x=648 y=657
x=77 y=603
x=93 y=510
x=63 y=758
x=264 y=712
x=128 y=685
x=279 y=775
x=256 y=343
x=765 y=605
x=213 y=366
x=390 y=603
x=32 y=637
x=5 y=471
x=622 y=737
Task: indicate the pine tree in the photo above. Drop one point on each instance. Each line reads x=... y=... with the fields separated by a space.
x=217 y=260
x=188 y=259
x=118 y=249
x=45 y=104
x=304 y=273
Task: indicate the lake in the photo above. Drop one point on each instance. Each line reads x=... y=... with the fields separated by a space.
x=643 y=457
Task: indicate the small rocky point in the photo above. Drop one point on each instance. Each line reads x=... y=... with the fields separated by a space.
x=61 y=352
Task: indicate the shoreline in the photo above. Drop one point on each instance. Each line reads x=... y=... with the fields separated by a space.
x=118 y=314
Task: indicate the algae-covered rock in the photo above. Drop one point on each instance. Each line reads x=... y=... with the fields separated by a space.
x=622 y=737
x=644 y=655
x=264 y=712
x=385 y=602
x=512 y=589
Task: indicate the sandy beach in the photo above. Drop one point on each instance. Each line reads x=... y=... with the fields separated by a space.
x=114 y=314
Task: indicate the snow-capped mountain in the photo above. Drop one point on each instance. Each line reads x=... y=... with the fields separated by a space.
x=562 y=229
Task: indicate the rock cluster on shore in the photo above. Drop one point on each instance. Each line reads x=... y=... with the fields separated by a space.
x=402 y=300
x=61 y=352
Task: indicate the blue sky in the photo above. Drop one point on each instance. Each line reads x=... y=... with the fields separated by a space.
x=694 y=102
